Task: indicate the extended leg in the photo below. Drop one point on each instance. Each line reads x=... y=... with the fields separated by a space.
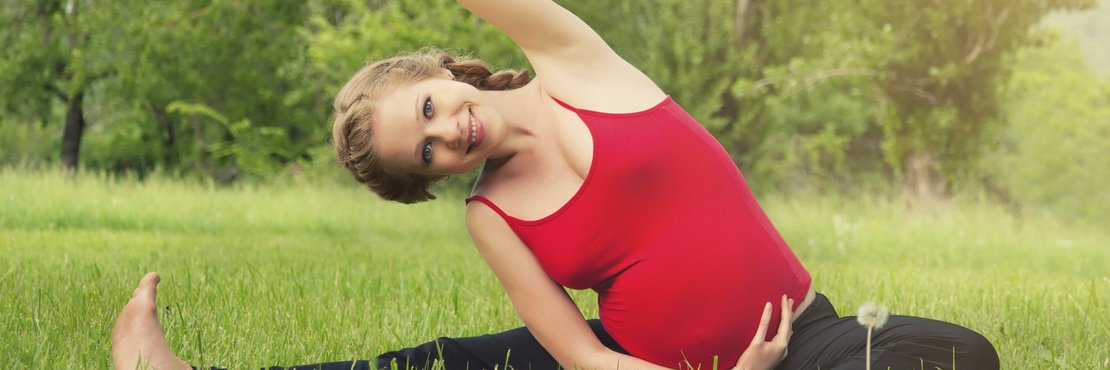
x=512 y=349
x=515 y=349
x=138 y=342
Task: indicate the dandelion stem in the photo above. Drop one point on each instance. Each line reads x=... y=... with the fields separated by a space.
x=868 y=348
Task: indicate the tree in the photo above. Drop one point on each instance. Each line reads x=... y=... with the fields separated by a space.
x=241 y=59
x=944 y=65
x=53 y=52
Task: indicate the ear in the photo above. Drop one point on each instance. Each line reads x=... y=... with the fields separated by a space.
x=446 y=73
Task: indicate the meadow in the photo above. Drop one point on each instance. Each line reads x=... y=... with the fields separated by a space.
x=302 y=272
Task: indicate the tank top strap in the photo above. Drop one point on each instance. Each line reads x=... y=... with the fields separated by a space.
x=567 y=106
x=666 y=100
x=491 y=205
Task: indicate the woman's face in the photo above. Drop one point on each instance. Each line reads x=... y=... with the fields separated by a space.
x=434 y=127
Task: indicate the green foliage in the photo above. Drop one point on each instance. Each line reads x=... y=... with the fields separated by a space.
x=26 y=143
x=51 y=51
x=941 y=83
x=243 y=59
x=257 y=150
x=1056 y=152
x=344 y=39
x=54 y=53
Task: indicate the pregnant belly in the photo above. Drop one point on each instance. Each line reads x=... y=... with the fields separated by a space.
x=690 y=317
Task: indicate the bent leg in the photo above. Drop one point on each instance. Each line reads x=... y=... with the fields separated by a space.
x=823 y=340
x=917 y=343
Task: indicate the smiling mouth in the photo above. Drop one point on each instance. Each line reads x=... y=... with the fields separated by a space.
x=472 y=138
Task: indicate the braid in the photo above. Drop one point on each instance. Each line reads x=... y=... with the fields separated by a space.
x=478 y=74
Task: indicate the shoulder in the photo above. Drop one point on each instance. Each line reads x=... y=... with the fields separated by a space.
x=613 y=86
x=491 y=233
x=482 y=221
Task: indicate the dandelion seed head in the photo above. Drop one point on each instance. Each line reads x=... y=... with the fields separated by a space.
x=873 y=315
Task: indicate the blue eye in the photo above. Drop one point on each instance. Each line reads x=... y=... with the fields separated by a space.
x=426 y=153
x=428 y=108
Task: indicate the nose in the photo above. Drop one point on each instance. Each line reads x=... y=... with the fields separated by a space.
x=446 y=129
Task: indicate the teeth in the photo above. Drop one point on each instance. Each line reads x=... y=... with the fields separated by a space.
x=473 y=130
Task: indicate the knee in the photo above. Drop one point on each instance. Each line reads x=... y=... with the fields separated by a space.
x=978 y=352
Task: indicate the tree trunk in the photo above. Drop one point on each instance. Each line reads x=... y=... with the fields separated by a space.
x=738 y=23
x=75 y=128
x=169 y=136
x=922 y=181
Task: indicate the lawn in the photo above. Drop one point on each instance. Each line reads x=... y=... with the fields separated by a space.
x=299 y=273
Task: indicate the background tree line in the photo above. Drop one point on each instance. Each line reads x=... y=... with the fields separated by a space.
x=929 y=98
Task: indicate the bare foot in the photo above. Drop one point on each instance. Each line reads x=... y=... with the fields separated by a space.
x=138 y=341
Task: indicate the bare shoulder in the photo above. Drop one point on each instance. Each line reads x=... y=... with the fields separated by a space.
x=604 y=82
x=484 y=223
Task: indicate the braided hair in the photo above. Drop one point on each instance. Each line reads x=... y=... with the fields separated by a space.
x=351 y=126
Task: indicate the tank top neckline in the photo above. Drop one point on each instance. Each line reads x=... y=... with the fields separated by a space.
x=589 y=172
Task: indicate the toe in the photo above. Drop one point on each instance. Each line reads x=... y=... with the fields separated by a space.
x=148 y=286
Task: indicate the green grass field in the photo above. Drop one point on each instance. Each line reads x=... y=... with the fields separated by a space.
x=308 y=273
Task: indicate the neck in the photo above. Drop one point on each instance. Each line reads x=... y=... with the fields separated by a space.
x=522 y=112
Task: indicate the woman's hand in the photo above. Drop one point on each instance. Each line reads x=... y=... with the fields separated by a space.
x=764 y=355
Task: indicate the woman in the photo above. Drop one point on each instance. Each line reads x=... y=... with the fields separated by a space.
x=593 y=178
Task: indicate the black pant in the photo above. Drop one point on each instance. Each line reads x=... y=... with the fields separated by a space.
x=822 y=340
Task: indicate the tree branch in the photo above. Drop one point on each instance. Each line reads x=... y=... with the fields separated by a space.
x=987 y=42
x=61 y=94
x=809 y=81
x=919 y=92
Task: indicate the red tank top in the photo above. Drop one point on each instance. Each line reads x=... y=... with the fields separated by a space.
x=667 y=233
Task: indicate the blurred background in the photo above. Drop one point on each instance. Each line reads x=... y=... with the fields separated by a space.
x=1001 y=101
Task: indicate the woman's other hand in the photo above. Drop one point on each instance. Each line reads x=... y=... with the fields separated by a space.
x=764 y=355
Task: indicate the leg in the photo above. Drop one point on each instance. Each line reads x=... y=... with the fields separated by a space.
x=516 y=349
x=912 y=343
x=513 y=349
x=823 y=340
x=917 y=343
x=138 y=342
x=137 y=339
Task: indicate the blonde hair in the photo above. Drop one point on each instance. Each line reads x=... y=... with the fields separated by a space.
x=354 y=114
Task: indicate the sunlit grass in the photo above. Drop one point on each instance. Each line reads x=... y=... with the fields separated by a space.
x=305 y=273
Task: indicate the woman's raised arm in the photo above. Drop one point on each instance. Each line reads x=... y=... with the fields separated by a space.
x=574 y=62
x=541 y=28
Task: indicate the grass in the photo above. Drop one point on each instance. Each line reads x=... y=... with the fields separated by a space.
x=309 y=273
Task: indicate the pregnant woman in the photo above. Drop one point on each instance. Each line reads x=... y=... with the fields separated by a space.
x=593 y=178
